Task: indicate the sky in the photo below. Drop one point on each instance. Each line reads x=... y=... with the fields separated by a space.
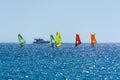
x=40 y=18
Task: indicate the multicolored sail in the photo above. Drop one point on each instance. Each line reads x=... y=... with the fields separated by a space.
x=77 y=41
x=93 y=40
x=52 y=40
x=21 y=40
x=58 y=40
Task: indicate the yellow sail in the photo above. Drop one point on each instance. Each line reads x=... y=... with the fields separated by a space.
x=58 y=40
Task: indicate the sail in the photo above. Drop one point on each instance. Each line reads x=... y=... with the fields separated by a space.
x=77 y=41
x=58 y=40
x=52 y=40
x=21 y=40
x=93 y=40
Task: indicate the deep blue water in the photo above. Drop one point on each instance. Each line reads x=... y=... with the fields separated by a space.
x=42 y=62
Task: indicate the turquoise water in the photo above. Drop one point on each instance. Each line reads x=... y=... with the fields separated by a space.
x=42 y=62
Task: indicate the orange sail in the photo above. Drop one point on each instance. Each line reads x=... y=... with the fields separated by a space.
x=93 y=40
x=77 y=41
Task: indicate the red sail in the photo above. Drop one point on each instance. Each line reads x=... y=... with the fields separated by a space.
x=93 y=40
x=78 y=41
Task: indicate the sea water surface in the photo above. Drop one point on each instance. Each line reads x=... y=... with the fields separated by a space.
x=42 y=62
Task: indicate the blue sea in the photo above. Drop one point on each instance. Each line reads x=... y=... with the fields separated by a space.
x=42 y=62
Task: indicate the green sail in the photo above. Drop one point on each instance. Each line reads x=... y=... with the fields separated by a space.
x=58 y=40
x=52 y=40
x=21 y=40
